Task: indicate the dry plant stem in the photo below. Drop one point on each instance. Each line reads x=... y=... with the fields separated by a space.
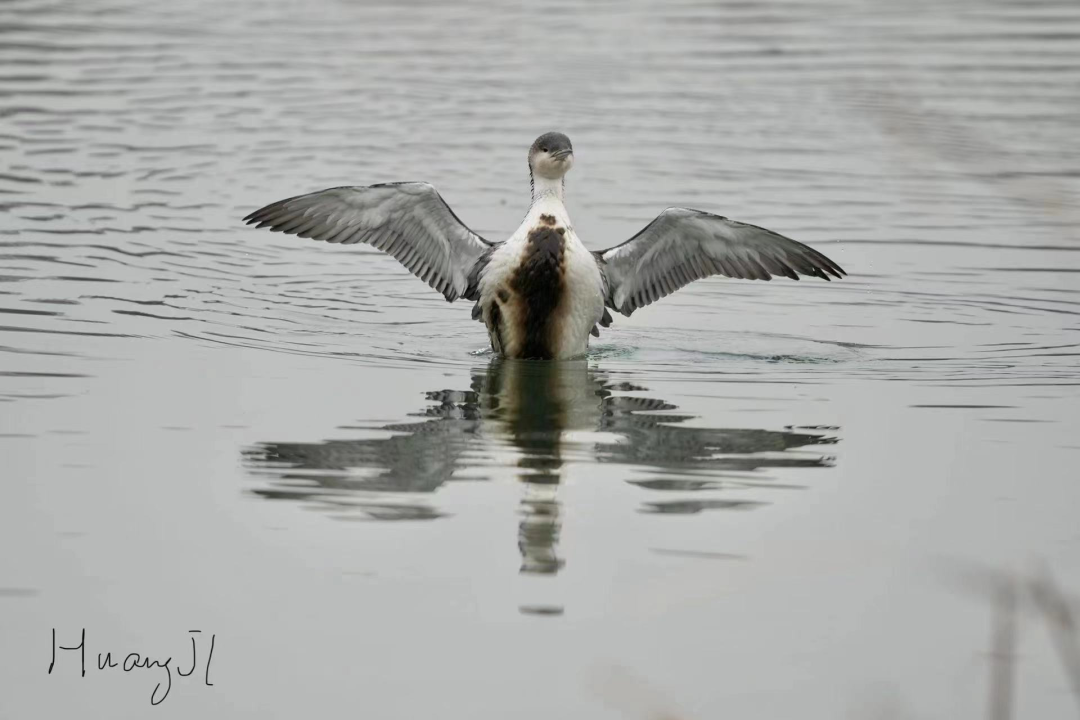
x=1061 y=624
x=1003 y=653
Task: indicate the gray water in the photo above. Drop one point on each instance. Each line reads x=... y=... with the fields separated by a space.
x=751 y=500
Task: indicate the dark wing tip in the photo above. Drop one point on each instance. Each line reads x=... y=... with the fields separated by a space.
x=833 y=268
x=820 y=265
x=262 y=214
x=829 y=265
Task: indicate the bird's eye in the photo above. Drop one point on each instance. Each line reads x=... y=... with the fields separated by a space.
x=543 y=149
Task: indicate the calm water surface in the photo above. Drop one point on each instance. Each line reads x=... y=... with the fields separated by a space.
x=748 y=501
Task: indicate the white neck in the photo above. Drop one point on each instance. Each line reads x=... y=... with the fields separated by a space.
x=546 y=187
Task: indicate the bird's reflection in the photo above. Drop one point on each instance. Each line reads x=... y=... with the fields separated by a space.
x=526 y=407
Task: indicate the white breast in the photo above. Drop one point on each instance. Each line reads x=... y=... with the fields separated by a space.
x=584 y=288
x=582 y=302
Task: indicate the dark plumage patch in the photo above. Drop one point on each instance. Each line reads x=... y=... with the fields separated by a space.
x=502 y=295
x=539 y=286
x=547 y=219
x=496 y=326
x=472 y=289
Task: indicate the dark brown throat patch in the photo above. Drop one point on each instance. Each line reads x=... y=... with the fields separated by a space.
x=540 y=286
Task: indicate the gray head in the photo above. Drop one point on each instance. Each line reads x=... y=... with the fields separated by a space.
x=551 y=155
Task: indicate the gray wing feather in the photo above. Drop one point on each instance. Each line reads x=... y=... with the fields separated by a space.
x=409 y=221
x=682 y=245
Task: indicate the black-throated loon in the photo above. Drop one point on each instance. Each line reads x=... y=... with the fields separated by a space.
x=541 y=293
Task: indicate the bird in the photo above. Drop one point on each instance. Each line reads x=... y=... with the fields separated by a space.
x=541 y=293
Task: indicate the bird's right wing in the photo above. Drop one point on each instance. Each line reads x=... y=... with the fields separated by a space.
x=409 y=221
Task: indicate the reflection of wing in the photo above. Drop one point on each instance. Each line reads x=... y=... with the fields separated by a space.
x=695 y=459
x=420 y=459
x=528 y=405
x=409 y=221
x=655 y=440
x=682 y=245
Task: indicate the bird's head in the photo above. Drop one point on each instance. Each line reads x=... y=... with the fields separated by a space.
x=551 y=156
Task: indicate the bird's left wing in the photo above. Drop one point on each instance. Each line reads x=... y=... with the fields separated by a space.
x=682 y=245
x=409 y=221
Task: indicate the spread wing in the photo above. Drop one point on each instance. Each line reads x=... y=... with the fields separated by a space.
x=682 y=245
x=410 y=221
